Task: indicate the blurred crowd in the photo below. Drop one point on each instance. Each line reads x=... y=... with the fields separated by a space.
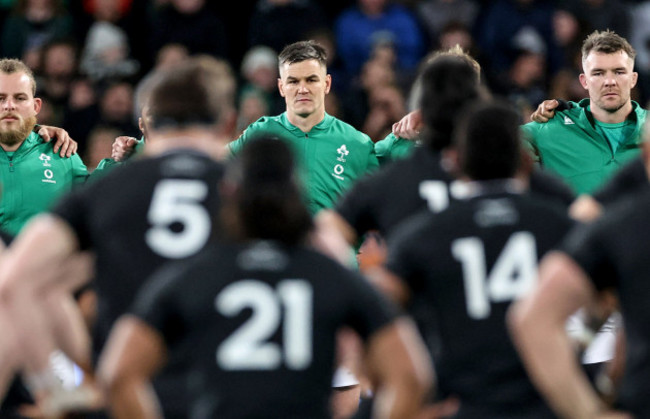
x=90 y=56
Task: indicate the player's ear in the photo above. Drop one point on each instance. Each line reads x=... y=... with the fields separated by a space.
x=328 y=83
x=635 y=78
x=583 y=80
x=280 y=87
x=37 y=104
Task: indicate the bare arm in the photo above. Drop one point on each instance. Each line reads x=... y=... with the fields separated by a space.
x=399 y=366
x=8 y=352
x=389 y=284
x=334 y=236
x=32 y=257
x=538 y=327
x=133 y=354
x=35 y=262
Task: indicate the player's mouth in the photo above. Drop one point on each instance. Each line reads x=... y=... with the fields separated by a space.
x=9 y=118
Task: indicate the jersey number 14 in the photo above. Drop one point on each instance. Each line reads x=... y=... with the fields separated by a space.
x=513 y=275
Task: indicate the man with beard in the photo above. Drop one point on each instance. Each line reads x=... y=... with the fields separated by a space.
x=32 y=175
x=586 y=143
x=164 y=215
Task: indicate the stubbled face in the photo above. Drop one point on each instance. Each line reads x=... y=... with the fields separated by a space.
x=609 y=78
x=18 y=109
x=304 y=86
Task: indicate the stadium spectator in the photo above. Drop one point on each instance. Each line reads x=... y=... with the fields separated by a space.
x=369 y=22
x=278 y=23
x=31 y=25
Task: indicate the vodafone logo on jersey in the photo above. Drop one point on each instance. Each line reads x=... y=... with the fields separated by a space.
x=48 y=174
x=338 y=168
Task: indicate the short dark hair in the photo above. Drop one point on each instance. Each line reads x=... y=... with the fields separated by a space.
x=449 y=82
x=267 y=202
x=186 y=95
x=607 y=42
x=303 y=51
x=13 y=65
x=456 y=51
x=488 y=141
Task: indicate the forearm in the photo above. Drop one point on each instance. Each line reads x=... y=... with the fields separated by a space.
x=397 y=402
x=8 y=353
x=399 y=363
x=70 y=330
x=539 y=326
x=571 y=396
x=133 y=399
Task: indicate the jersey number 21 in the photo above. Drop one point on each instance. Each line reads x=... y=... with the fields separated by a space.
x=288 y=305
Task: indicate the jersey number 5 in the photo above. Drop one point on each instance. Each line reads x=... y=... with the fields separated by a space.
x=248 y=347
x=512 y=276
x=178 y=201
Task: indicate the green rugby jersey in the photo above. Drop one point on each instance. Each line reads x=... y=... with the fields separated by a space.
x=571 y=146
x=331 y=157
x=32 y=178
x=393 y=148
x=108 y=164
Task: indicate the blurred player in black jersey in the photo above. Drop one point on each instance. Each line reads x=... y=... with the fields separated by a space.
x=468 y=263
x=601 y=266
x=135 y=219
x=449 y=81
x=261 y=314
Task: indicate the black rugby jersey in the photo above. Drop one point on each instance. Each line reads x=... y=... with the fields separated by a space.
x=613 y=252
x=466 y=265
x=258 y=322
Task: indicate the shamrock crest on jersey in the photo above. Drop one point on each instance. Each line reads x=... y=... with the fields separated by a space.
x=343 y=151
x=338 y=168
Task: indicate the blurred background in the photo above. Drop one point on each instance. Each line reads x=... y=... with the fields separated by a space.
x=91 y=56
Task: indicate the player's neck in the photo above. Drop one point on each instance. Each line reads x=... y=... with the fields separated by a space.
x=306 y=123
x=11 y=148
x=601 y=115
x=206 y=141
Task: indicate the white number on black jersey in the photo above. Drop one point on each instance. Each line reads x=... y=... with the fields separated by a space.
x=436 y=193
x=512 y=276
x=289 y=306
x=178 y=201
